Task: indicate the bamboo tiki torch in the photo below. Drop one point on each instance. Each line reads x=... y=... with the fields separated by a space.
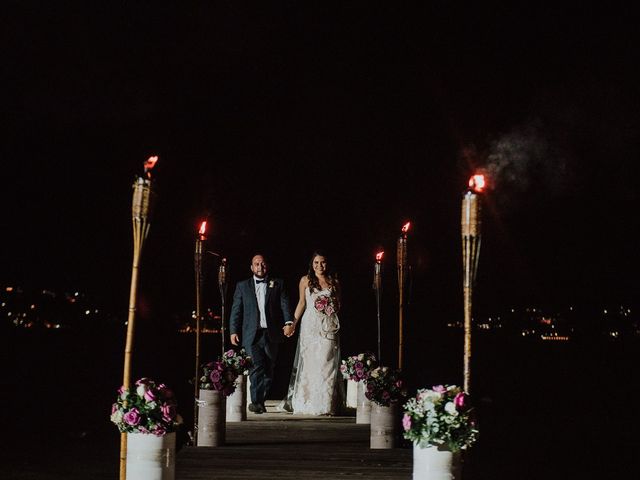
x=197 y=263
x=402 y=278
x=471 y=237
x=377 y=286
x=222 y=285
x=140 y=216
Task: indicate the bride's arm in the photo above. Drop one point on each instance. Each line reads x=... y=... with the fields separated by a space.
x=302 y=303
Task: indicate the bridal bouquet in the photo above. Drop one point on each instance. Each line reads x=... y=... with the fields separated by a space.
x=384 y=386
x=239 y=361
x=440 y=416
x=324 y=304
x=146 y=408
x=218 y=376
x=358 y=367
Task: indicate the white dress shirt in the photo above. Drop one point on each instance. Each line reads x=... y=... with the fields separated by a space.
x=261 y=291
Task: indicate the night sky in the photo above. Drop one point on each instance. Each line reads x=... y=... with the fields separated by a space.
x=293 y=127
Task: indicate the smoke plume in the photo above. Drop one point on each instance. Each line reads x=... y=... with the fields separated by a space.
x=525 y=161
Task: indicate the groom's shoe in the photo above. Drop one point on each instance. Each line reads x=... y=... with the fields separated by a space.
x=256 y=408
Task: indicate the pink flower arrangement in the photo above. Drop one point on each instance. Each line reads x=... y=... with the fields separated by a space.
x=440 y=416
x=324 y=304
x=384 y=386
x=147 y=407
x=358 y=367
x=239 y=361
x=218 y=376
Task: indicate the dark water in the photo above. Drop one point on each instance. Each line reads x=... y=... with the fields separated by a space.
x=547 y=410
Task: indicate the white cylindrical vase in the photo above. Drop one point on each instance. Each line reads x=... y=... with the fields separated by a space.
x=352 y=394
x=363 y=408
x=150 y=457
x=383 y=426
x=211 y=419
x=248 y=382
x=237 y=401
x=435 y=463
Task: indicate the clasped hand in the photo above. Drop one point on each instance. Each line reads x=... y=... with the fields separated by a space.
x=289 y=330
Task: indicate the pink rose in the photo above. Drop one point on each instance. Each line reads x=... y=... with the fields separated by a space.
x=406 y=422
x=460 y=400
x=439 y=389
x=149 y=396
x=159 y=430
x=132 y=417
x=168 y=412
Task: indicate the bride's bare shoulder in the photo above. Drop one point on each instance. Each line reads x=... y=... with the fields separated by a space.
x=304 y=281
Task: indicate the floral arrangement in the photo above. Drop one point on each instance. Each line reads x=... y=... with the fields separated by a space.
x=218 y=376
x=324 y=304
x=440 y=416
x=358 y=367
x=239 y=361
x=146 y=408
x=384 y=386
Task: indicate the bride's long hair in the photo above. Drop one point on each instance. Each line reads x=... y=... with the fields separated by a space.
x=330 y=275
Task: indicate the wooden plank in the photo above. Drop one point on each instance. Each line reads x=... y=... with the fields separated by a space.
x=279 y=446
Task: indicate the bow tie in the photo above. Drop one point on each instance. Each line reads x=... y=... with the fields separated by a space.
x=260 y=281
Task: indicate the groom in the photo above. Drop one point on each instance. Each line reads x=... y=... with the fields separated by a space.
x=259 y=316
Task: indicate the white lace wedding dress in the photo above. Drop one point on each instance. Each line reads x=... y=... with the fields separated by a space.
x=316 y=382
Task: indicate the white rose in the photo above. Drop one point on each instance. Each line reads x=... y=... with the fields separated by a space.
x=141 y=390
x=429 y=396
x=450 y=408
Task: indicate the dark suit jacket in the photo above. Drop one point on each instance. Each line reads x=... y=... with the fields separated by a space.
x=245 y=316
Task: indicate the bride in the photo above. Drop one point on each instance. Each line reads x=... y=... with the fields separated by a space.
x=315 y=387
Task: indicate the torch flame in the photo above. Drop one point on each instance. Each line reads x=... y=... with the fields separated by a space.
x=379 y=256
x=149 y=164
x=405 y=227
x=203 y=228
x=477 y=183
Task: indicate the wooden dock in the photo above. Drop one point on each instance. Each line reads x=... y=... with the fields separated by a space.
x=278 y=445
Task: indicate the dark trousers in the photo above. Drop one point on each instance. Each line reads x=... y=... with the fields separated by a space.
x=263 y=353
